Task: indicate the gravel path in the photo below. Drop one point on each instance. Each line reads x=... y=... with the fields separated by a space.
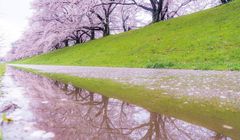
x=220 y=85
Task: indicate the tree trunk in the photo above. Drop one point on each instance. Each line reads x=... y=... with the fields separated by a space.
x=92 y=30
x=77 y=41
x=66 y=43
x=157 y=9
x=155 y=16
x=124 y=27
x=92 y=34
x=225 y=1
x=106 y=30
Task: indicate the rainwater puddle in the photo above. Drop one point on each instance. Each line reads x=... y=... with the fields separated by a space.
x=47 y=109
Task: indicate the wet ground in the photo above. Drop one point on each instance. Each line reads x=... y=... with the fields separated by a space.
x=45 y=109
x=201 y=85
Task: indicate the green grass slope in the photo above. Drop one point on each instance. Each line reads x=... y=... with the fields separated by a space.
x=2 y=69
x=205 y=40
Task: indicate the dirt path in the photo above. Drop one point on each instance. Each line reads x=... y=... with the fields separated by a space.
x=221 y=85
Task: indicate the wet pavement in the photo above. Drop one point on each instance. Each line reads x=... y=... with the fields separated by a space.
x=223 y=86
x=48 y=109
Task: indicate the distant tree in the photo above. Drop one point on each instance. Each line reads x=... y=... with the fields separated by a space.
x=158 y=8
x=162 y=9
x=103 y=10
x=126 y=16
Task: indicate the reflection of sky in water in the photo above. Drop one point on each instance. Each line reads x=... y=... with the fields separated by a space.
x=23 y=125
x=83 y=114
x=141 y=116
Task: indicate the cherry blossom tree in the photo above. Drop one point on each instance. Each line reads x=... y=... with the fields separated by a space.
x=158 y=8
x=103 y=10
x=126 y=18
x=164 y=9
x=61 y=23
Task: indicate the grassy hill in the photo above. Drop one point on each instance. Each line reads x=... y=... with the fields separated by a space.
x=2 y=69
x=205 y=40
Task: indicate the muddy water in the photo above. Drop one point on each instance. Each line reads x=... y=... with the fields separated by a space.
x=46 y=109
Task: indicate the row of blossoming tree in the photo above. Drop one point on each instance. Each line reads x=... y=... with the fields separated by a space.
x=61 y=23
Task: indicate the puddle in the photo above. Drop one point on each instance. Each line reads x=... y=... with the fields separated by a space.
x=222 y=86
x=48 y=109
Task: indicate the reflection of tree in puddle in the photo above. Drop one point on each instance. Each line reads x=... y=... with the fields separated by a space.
x=74 y=113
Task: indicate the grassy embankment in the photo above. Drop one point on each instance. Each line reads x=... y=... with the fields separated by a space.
x=2 y=69
x=207 y=114
x=205 y=40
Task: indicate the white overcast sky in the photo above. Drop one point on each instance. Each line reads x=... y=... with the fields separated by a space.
x=14 y=16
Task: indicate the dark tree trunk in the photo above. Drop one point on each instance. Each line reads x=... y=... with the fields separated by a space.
x=66 y=43
x=158 y=9
x=106 y=30
x=78 y=41
x=57 y=46
x=124 y=27
x=225 y=1
x=92 y=30
x=124 y=23
x=92 y=34
x=155 y=16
